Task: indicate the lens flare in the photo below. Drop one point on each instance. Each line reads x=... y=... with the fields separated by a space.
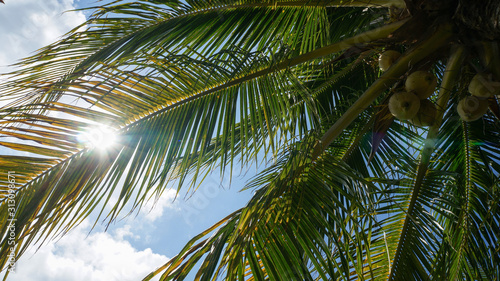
x=101 y=137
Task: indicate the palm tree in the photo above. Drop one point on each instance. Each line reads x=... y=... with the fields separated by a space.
x=349 y=192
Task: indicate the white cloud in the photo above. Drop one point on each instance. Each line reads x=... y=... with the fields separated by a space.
x=125 y=231
x=27 y=25
x=99 y=256
x=153 y=209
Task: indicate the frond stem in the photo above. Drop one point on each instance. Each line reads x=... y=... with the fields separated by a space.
x=491 y=53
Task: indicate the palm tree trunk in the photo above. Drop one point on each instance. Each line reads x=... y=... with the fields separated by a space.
x=482 y=17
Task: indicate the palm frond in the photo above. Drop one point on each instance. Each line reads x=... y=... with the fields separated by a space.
x=175 y=97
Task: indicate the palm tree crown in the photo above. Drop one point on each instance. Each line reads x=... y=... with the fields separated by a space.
x=369 y=177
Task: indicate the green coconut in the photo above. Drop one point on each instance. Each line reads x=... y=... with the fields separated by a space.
x=483 y=86
x=422 y=83
x=426 y=115
x=472 y=108
x=404 y=105
x=387 y=58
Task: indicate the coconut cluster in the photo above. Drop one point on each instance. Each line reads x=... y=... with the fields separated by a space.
x=482 y=86
x=413 y=103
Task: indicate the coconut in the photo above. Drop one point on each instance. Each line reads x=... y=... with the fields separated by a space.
x=482 y=85
x=426 y=114
x=423 y=83
x=404 y=105
x=387 y=58
x=472 y=108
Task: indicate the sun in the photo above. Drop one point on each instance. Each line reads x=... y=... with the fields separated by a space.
x=101 y=137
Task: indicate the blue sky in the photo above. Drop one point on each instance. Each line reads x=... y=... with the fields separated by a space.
x=136 y=245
